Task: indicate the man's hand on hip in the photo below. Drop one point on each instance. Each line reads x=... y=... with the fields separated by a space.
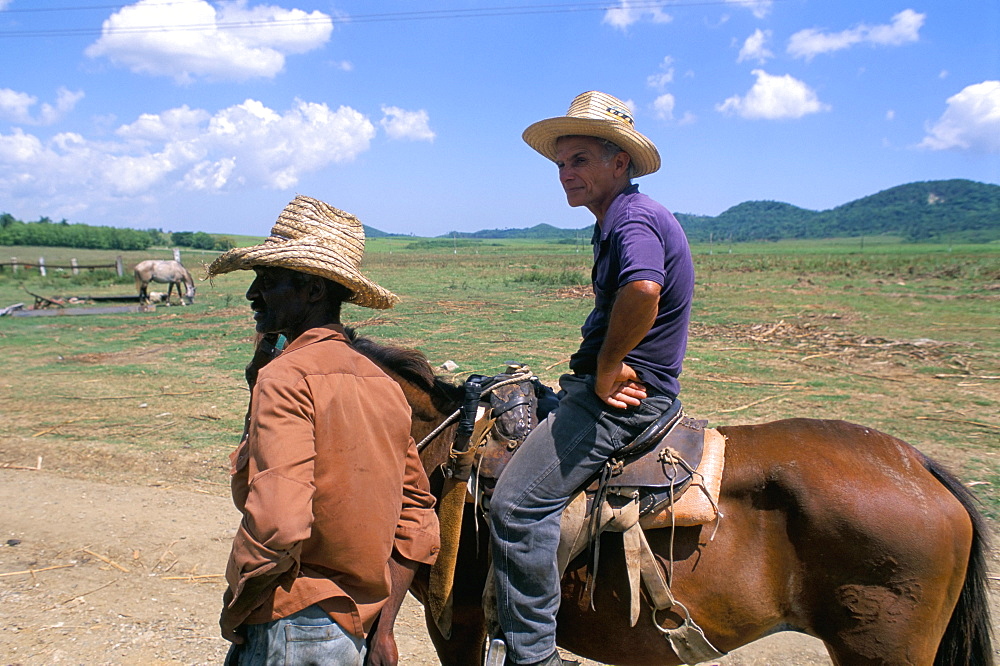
x=619 y=387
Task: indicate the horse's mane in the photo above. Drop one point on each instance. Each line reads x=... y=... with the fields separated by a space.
x=410 y=364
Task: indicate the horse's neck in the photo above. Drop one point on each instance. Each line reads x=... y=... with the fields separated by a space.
x=436 y=451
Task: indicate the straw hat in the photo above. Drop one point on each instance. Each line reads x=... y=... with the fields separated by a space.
x=313 y=237
x=600 y=115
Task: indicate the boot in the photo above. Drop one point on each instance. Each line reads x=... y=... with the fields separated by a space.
x=552 y=660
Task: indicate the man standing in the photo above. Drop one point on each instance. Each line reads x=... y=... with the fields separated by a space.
x=337 y=512
x=625 y=373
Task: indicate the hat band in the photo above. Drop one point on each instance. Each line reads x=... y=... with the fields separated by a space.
x=621 y=114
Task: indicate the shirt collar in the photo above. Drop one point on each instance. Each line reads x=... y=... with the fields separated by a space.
x=318 y=334
x=602 y=231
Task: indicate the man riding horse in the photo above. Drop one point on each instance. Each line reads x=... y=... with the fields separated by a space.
x=624 y=375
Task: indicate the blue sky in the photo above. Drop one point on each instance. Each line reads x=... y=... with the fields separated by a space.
x=210 y=116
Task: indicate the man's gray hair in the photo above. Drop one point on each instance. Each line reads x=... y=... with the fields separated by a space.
x=609 y=149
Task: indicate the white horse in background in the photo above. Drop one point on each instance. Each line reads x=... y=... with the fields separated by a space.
x=167 y=272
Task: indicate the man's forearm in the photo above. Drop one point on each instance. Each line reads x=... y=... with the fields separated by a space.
x=382 y=650
x=632 y=315
x=401 y=570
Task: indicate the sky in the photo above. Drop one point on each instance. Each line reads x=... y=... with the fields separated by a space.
x=202 y=115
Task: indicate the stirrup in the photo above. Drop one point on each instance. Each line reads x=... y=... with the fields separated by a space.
x=497 y=654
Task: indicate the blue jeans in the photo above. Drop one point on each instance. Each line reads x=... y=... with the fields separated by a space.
x=306 y=638
x=559 y=456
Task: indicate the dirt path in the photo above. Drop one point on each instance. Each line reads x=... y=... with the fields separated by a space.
x=139 y=582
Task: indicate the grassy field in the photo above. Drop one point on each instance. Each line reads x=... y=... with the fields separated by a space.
x=897 y=336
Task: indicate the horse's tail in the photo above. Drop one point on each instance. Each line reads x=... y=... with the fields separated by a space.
x=968 y=638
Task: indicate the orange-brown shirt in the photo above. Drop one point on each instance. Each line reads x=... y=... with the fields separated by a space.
x=329 y=482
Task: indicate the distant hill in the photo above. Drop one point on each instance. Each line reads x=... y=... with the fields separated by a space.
x=951 y=210
x=539 y=231
x=942 y=210
x=372 y=232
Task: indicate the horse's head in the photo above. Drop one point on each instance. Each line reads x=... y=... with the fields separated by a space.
x=189 y=294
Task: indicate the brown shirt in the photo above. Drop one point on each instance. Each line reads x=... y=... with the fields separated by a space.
x=329 y=483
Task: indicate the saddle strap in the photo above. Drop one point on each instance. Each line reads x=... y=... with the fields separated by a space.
x=660 y=595
x=641 y=565
x=633 y=557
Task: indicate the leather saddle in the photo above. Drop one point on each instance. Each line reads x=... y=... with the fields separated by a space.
x=660 y=462
x=637 y=489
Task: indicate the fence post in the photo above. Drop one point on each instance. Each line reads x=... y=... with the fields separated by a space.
x=41 y=265
x=119 y=265
x=76 y=269
x=13 y=264
x=177 y=255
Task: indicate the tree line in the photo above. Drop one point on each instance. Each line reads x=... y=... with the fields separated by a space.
x=47 y=233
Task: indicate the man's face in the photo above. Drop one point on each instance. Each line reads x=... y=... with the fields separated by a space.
x=279 y=304
x=587 y=177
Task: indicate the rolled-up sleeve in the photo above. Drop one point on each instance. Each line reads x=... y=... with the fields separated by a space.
x=278 y=513
x=417 y=533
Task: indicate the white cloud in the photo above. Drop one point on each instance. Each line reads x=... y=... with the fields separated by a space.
x=242 y=147
x=970 y=123
x=905 y=27
x=65 y=102
x=687 y=119
x=189 y=40
x=16 y=106
x=182 y=123
x=664 y=106
x=4 y=3
x=890 y=115
x=628 y=12
x=755 y=47
x=401 y=124
x=774 y=97
x=760 y=8
x=666 y=75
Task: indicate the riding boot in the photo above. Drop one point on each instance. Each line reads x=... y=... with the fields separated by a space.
x=552 y=660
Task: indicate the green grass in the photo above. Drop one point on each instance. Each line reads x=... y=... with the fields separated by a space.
x=901 y=337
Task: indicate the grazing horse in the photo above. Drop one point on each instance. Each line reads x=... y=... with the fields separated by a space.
x=828 y=528
x=168 y=272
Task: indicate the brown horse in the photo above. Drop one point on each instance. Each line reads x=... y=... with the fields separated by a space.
x=830 y=529
x=170 y=273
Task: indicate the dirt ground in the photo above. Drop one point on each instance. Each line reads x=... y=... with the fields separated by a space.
x=127 y=574
x=93 y=571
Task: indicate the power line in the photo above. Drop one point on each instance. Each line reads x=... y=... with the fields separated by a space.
x=422 y=15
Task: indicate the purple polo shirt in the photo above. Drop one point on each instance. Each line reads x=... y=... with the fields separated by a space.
x=641 y=240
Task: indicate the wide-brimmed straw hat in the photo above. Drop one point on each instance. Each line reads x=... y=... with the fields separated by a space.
x=600 y=115
x=313 y=237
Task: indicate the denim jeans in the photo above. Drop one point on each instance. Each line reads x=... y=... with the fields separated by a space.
x=306 y=638
x=559 y=456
